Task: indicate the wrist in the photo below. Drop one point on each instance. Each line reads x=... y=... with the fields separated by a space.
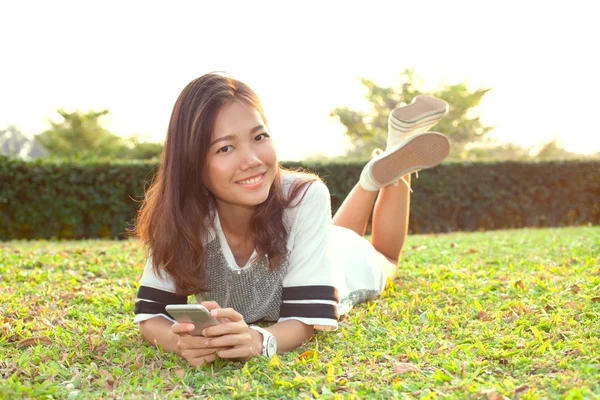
x=257 y=342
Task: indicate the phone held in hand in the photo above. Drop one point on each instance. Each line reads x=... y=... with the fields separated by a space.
x=196 y=314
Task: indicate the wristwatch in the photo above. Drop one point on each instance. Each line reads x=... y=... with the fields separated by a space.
x=269 y=342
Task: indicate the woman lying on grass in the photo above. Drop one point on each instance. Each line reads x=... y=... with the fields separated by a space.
x=253 y=241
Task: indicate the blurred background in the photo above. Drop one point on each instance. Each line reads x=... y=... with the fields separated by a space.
x=99 y=79
x=87 y=89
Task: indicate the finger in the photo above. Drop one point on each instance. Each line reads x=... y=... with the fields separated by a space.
x=210 y=305
x=182 y=328
x=191 y=354
x=229 y=340
x=191 y=342
x=236 y=352
x=225 y=329
x=229 y=313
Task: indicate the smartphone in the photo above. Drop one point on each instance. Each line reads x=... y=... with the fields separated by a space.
x=197 y=314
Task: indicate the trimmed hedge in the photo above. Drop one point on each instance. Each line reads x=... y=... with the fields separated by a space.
x=63 y=199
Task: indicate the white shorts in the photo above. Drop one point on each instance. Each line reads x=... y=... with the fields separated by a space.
x=358 y=268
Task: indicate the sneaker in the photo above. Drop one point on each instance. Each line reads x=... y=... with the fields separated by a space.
x=420 y=151
x=422 y=113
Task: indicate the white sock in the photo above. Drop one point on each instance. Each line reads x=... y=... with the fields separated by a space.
x=366 y=180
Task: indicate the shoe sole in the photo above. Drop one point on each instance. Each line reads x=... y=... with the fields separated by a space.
x=422 y=151
x=422 y=108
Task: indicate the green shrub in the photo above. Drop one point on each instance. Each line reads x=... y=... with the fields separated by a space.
x=74 y=200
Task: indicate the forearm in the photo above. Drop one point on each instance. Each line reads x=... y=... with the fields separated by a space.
x=157 y=331
x=289 y=334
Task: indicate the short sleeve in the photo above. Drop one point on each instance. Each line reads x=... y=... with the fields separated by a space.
x=154 y=294
x=309 y=294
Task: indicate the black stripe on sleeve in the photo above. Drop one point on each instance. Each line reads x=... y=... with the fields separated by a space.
x=310 y=293
x=308 y=311
x=145 y=307
x=160 y=296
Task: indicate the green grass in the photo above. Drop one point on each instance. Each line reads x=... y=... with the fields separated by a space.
x=476 y=315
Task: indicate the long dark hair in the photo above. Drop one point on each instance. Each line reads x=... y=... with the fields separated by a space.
x=177 y=211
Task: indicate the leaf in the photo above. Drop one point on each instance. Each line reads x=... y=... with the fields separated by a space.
x=481 y=314
x=596 y=298
x=402 y=368
x=274 y=361
x=511 y=316
x=543 y=347
x=330 y=373
x=109 y=381
x=491 y=394
x=519 y=284
x=520 y=343
x=537 y=334
x=306 y=354
x=520 y=389
x=575 y=289
x=180 y=372
x=471 y=251
x=33 y=341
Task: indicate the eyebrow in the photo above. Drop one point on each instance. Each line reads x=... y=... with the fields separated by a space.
x=231 y=137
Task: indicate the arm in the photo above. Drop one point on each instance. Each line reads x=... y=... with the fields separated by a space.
x=158 y=331
x=289 y=334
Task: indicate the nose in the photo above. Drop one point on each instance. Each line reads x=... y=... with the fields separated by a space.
x=250 y=159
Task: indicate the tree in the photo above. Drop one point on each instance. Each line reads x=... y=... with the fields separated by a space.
x=554 y=150
x=80 y=135
x=144 y=150
x=367 y=130
x=14 y=143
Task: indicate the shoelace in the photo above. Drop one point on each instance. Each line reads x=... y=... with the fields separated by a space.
x=377 y=152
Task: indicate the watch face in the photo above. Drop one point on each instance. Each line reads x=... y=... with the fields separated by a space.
x=271 y=346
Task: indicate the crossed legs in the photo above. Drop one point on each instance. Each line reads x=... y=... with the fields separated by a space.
x=409 y=149
x=390 y=206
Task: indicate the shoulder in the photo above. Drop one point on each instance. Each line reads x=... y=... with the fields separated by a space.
x=313 y=188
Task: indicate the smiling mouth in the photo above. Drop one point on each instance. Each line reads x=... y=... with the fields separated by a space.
x=251 y=181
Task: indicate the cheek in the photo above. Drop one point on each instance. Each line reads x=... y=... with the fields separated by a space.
x=268 y=154
x=218 y=172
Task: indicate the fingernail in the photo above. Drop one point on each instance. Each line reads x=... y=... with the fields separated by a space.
x=203 y=332
x=206 y=343
x=213 y=313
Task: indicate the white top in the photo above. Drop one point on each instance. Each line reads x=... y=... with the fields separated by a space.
x=302 y=287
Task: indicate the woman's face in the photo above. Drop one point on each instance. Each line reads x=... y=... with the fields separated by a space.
x=241 y=160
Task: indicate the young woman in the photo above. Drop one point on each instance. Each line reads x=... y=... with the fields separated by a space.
x=252 y=241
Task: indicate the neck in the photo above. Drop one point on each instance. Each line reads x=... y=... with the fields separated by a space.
x=234 y=219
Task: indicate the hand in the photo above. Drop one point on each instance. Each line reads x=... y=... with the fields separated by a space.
x=193 y=348
x=232 y=339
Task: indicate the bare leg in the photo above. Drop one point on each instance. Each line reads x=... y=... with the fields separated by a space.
x=356 y=209
x=390 y=226
x=390 y=220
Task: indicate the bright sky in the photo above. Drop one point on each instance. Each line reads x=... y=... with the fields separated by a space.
x=303 y=59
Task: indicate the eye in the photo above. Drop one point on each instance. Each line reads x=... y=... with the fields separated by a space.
x=264 y=136
x=225 y=149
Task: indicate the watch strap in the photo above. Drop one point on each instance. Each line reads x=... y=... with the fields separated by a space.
x=265 y=334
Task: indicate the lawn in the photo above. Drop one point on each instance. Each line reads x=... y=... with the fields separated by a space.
x=476 y=315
